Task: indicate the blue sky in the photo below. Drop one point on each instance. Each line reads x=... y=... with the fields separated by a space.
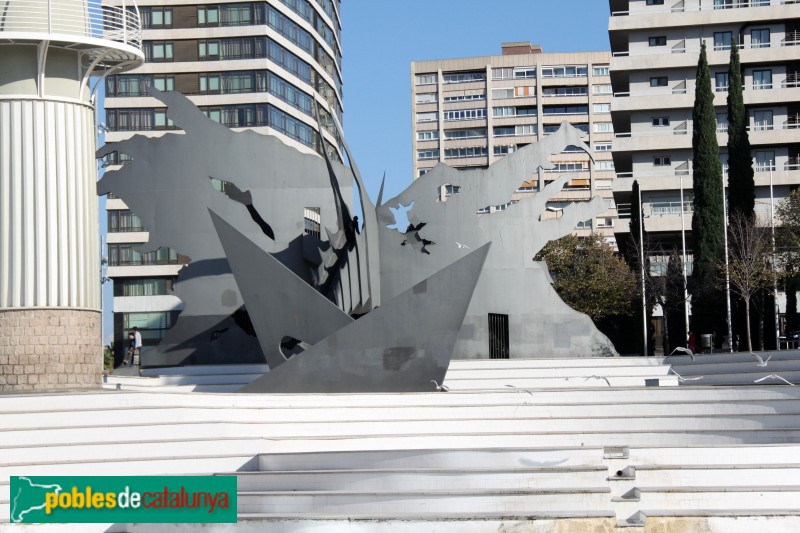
x=380 y=38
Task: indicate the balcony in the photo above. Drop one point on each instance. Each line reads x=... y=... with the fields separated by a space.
x=110 y=35
x=676 y=13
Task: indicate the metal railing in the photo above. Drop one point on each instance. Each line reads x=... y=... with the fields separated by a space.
x=681 y=8
x=660 y=209
x=77 y=18
x=681 y=48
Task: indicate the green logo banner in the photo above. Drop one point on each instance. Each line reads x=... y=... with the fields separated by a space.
x=142 y=499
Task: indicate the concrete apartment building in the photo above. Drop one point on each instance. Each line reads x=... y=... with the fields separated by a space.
x=655 y=46
x=470 y=112
x=248 y=65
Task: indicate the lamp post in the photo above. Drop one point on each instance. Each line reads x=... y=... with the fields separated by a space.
x=727 y=272
x=685 y=278
x=641 y=264
x=774 y=269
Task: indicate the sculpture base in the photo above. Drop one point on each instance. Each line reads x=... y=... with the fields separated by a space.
x=43 y=349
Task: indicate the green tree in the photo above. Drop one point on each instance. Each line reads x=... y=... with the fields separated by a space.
x=741 y=184
x=708 y=221
x=588 y=276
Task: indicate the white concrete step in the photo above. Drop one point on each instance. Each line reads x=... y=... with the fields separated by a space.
x=416 y=480
x=434 y=502
x=733 y=475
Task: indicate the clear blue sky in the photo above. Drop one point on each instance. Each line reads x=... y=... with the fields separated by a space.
x=380 y=38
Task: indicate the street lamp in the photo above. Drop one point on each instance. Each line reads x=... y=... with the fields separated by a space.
x=685 y=278
x=641 y=264
x=727 y=272
x=774 y=269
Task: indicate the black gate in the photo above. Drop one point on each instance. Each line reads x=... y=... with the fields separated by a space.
x=498 y=336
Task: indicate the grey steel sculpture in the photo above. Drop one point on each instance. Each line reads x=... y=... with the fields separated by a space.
x=400 y=346
x=235 y=200
x=444 y=225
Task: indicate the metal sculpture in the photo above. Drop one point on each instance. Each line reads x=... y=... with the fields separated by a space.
x=259 y=286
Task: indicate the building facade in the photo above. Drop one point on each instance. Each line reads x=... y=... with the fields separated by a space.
x=471 y=112
x=268 y=66
x=655 y=48
x=49 y=236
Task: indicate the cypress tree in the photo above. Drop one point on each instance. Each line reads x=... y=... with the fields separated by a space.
x=741 y=185
x=708 y=220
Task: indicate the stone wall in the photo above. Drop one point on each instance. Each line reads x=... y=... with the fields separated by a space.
x=45 y=349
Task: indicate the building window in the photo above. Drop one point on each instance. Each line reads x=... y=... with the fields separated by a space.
x=426 y=98
x=565 y=110
x=765 y=160
x=604 y=165
x=660 y=40
x=723 y=40
x=564 y=91
x=601 y=108
x=601 y=89
x=524 y=72
x=427 y=135
x=152 y=326
x=464 y=114
x=464 y=97
x=513 y=131
x=759 y=38
x=463 y=77
x=502 y=94
x=126 y=255
x=602 y=147
x=142 y=287
x=762 y=120
x=660 y=121
x=723 y=4
x=465 y=134
x=721 y=81
x=603 y=127
x=662 y=161
x=164 y=82
x=659 y=81
x=123 y=221
x=600 y=70
x=427 y=117
x=427 y=154
x=762 y=79
x=155 y=17
x=524 y=91
x=425 y=79
x=564 y=71
x=158 y=51
x=722 y=122
x=655 y=2
x=504 y=150
x=471 y=151
x=502 y=73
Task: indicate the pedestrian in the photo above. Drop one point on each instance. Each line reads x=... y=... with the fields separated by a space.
x=128 y=361
x=137 y=339
x=691 y=343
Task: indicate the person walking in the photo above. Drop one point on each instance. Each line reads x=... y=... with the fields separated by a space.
x=137 y=348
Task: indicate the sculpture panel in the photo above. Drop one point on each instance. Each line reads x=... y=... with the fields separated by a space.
x=279 y=268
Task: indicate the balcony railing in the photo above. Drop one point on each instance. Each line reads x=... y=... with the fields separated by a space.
x=71 y=18
x=679 y=7
x=681 y=48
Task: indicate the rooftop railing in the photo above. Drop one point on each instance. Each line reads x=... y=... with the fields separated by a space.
x=679 y=7
x=73 y=18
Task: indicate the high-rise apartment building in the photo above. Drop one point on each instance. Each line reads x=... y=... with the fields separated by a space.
x=247 y=65
x=655 y=47
x=469 y=112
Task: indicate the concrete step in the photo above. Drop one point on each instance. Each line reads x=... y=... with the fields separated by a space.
x=343 y=503
x=466 y=479
x=171 y=430
x=520 y=409
x=720 y=497
x=732 y=475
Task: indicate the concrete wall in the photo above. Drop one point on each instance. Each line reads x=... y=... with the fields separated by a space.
x=42 y=349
